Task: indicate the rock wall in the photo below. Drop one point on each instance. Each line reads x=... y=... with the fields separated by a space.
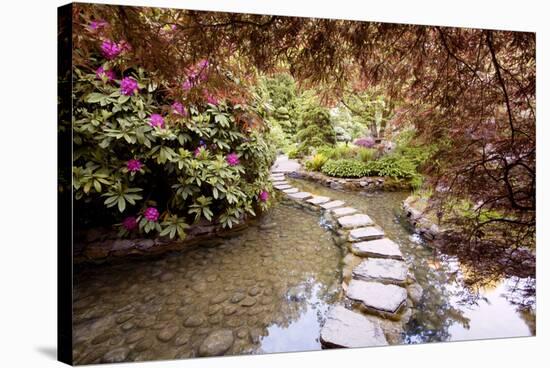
x=366 y=184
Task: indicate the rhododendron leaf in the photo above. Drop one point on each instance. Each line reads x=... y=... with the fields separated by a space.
x=121 y=204
x=94 y=97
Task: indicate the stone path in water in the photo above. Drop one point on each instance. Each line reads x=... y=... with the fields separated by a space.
x=379 y=288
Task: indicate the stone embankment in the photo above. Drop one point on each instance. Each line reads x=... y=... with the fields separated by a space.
x=378 y=287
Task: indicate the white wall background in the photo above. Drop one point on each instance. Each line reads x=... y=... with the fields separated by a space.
x=28 y=180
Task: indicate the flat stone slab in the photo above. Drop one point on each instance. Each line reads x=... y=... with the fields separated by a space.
x=284 y=164
x=318 y=200
x=378 y=248
x=343 y=211
x=377 y=297
x=365 y=233
x=300 y=195
x=380 y=269
x=333 y=204
x=282 y=186
x=291 y=190
x=347 y=329
x=353 y=221
x=280 y=182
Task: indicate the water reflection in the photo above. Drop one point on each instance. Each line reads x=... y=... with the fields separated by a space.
x=468 y=294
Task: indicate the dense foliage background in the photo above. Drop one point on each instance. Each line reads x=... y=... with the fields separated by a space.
x=469 y=92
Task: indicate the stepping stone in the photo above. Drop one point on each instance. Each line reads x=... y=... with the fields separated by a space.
x=282 y=186
x=365 y=233
x=280 y=182
x=333 y=204
x=300 y=195
x=353 y=221
x=343 y=211
x=318 y=200
x=378 y=298
x=383 y=270
x=379 y=248
x=277 y=178
x=347 y=329
x=291 y=190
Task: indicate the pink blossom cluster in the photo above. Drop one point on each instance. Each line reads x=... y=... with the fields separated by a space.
x=101 y=73
x=179 y=109
x=151 y=214
x=156 y=120
x=232 y=159
x=196 y=74
x=110 y=49
x=128 y=86
x=134 y=165
x=130 y=223
x=264 y=195
x=97 y=24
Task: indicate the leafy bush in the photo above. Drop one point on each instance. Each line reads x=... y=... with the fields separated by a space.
x=316 y=130
x=345 y=168
x=366 y=142
x=293 y=153
x=156 y=168
x=366 y=154
x=316 y=162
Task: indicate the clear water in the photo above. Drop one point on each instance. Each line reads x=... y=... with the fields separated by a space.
x=286 y=269
x=460 y=301
x=272 y=284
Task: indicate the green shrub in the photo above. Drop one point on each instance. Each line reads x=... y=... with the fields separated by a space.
x=366 y=154
x=153 y=171
x=344 y=168
x=316 y=162
x=292 y=153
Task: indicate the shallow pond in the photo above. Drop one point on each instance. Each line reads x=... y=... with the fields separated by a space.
x=459 y=302
x=270 y=285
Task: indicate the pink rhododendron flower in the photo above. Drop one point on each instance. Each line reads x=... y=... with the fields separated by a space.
x=102 y=73
x=151 y=214
x=264 y=196
x=232 y=159
x=128 y=86
x=210 y=97
x=110 y=49
x=187 y=85
x=130 y=223
x=177 y=108
x=156 y=120
x=134 y=165
x=97 y=24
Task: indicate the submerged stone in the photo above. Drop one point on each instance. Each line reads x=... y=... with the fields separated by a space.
x=377 y=297
x=216 y=343
x=343 y=211
x=378 y=248
x=332 y=204
x=365 y=233
x=380 y=269
x=353 y=221
x=347 y=329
